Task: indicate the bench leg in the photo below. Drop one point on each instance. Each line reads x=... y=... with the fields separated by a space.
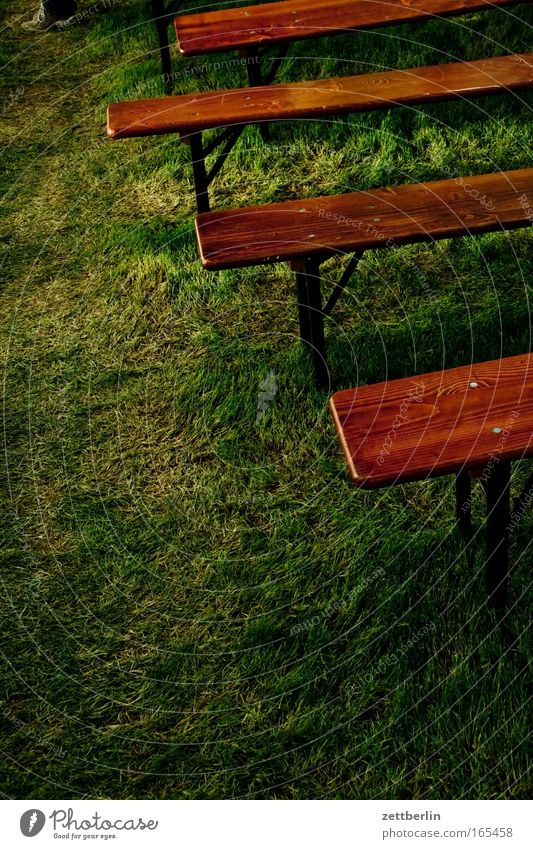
x=497 y=488
x=255 y=78
x=161 y=20
x=201 y=185
x=311 y=318
x=463 y=503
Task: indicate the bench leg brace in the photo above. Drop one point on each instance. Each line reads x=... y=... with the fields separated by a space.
x=497 y=489
x=311 y=317
x=226 y=139
x=343 y=282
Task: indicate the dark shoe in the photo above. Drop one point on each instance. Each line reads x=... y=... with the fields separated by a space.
x=42 y=21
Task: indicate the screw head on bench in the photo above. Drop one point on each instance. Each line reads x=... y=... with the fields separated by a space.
x=496 y=430
x=473 y=384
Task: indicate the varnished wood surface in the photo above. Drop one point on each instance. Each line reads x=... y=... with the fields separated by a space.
x=438 y=423
x=189 y=113
x=375 y=218
x=271 y=23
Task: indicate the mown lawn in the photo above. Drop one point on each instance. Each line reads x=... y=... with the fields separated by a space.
x=196 y=603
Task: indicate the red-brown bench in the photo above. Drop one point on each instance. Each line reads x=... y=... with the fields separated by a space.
x=471 y=421
x=305 y=233
x=249 y=29
x=192 y=114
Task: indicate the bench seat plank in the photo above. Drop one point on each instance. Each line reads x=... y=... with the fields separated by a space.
x=191 y=113
x=290 y=20
x=437 y=423
x=376 y=218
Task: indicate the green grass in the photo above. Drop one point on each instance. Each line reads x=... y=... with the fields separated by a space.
x=196 y=605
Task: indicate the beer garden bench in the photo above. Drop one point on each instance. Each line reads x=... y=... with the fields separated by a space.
x=252 y=29
x=471 y=421
x=230 y=111
x=305 y=233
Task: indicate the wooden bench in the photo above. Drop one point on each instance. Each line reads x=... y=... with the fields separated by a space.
x=305 y=233
x=249 y=29
x=470 y=421
x=192 y=114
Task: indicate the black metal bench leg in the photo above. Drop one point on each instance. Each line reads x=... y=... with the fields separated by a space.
x=311 y=318
x=497 y=488
x=161 y=20
x=255 y=78
x=463 y=503
x=201 y=186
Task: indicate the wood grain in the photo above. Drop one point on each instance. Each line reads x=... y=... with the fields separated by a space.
x=273 y=23
x=190 y=113
x=375 y=218
x=437 y=423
